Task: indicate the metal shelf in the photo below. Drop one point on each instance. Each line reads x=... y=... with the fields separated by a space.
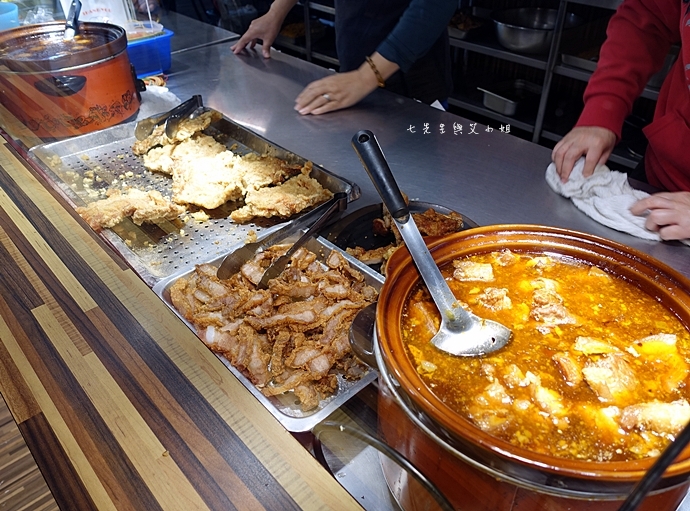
x=622 y=160
x=583 y=75
x=308 y=49
x=550 y=64
x=487 y=46
x=479 y=108
x=328 y=9
x=325 y=58
x=604 y=4
x=303 y=51
x=290 y=46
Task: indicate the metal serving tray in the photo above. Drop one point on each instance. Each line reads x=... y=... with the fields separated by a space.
x=284 y=408
x=81 y=166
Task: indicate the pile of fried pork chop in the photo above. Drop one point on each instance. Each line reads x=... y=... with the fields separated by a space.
x=206 y=174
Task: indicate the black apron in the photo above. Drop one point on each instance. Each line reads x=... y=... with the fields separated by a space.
x=362 y=25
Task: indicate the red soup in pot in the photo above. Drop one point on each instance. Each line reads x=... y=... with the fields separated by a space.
x=597 y=369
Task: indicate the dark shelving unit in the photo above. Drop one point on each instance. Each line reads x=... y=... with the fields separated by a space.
x=322 y=51
x=535 y=123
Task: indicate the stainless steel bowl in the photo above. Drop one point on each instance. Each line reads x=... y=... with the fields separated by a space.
x=529 y=30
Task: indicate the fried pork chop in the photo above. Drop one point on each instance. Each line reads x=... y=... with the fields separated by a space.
x=162 y=158
x=258 y=171
x=207 y=181
x=207 y=174
x=292 y=337
x=284 y=200
x=187 y=128
x=210 y=181
x=142 y=207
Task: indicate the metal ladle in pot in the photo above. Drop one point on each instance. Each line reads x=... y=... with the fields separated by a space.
x=72 y=20
x=462 y=333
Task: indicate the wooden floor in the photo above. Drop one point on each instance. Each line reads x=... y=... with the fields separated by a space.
x=22 y=487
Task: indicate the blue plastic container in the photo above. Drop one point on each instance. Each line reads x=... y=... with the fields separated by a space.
x=150 y=56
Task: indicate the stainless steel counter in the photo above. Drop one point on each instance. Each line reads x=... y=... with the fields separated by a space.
x=491 y=177
x=191 y=33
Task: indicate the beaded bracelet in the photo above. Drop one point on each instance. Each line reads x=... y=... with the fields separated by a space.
x=380 y=79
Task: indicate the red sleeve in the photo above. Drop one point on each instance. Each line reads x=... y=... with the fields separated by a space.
x=638 y=39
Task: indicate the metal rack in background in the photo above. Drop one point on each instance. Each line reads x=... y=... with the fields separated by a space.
x=551 y=66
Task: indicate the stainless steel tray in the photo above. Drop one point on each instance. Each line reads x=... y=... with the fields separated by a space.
x=356 y=229
x=284 y=408
x=586 y=64
x=158 y=251
x=508 y=97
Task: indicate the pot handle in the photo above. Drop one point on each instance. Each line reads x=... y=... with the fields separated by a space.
x=140 y=85
x=384 y=449
x=60 y=86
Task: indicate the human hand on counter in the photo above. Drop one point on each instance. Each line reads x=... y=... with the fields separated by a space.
x=668 y=213
x=592 y=142
x=334 y=92
x=342 y=90
x=264 y=29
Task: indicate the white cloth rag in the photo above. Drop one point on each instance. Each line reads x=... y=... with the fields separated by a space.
x=605 y=196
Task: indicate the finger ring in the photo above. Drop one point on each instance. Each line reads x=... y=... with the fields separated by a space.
x=328 y=98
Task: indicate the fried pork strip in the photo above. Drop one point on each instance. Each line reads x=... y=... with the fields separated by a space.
x=292 y=337
x=142 y=207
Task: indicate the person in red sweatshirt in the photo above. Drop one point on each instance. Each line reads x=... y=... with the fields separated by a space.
x=639 y=36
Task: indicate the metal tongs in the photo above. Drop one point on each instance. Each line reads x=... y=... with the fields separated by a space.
x=339 y=203
x=234 y=261
x=191 y=108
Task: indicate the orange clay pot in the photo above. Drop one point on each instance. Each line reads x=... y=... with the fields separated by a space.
x=474 y=470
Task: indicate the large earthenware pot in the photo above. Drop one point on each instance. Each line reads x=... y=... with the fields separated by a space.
x=473 y=469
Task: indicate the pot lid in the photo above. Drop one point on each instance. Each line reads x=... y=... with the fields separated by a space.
x=42 y=47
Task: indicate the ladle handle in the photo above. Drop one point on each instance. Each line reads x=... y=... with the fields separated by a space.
x=72 y=21
x=367 y=148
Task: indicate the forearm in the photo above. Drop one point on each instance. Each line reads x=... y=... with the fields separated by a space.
x=379 y=64
x=418 y=29
x=280 y=8
x=638 y=38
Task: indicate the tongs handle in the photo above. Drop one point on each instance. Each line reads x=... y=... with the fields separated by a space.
x=146 y=126
x=339 y=203
x=182 y=112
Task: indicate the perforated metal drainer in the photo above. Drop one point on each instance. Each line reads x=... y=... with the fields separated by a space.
x=84 y=167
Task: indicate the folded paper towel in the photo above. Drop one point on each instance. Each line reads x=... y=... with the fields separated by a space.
x=605 y=196
x=156 y=100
